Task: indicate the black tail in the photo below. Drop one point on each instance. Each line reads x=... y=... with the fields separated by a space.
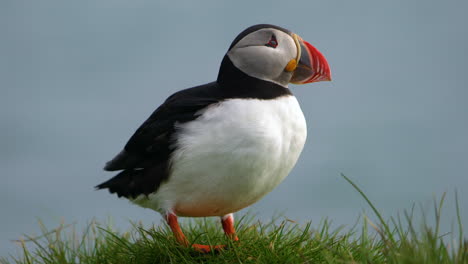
x=121 y=184
x=131 y=183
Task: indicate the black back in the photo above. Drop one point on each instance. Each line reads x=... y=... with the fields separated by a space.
x=144 y=162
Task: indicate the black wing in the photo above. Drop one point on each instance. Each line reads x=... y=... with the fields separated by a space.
x=144 y=159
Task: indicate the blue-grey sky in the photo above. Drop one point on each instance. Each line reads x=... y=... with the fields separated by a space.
x=78 y=77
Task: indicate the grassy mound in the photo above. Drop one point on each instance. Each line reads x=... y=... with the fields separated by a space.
x=397 y=240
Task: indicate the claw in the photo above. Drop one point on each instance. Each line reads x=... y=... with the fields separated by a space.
x=207 y=249
x=228 y=226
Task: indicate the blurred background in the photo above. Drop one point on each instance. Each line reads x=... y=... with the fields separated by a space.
x=78 y=77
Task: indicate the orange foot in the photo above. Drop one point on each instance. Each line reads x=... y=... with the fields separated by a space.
x=208 y=249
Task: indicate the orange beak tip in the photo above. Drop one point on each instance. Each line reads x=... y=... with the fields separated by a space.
x=315 y=63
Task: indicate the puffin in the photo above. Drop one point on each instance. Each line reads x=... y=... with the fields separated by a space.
x=216 y=148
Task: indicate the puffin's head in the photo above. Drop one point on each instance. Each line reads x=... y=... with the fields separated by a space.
x=275 y=54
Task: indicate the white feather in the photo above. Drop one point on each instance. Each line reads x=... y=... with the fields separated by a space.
x=235 y=153
x=251 y=56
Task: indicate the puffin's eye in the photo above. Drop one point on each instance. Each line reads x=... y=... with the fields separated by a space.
x=273 y=43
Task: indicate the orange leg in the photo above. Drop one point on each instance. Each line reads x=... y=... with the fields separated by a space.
x=174 y=224
x=171 y=219
x=228 y=226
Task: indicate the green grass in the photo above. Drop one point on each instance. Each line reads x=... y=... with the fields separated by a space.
x=397 y=240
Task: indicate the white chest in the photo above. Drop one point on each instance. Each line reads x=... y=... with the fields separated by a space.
x=231 y=156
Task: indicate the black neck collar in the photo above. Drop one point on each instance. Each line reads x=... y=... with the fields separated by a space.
x=236 y=84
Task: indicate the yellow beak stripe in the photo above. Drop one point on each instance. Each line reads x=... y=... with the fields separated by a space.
x=292 y=64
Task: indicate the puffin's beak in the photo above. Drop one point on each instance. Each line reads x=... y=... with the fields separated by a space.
x=312 y=65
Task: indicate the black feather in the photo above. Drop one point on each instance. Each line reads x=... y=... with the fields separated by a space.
x=146 y=156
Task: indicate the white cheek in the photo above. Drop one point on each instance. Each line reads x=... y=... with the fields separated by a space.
x=262 y=62
x=259 y=61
